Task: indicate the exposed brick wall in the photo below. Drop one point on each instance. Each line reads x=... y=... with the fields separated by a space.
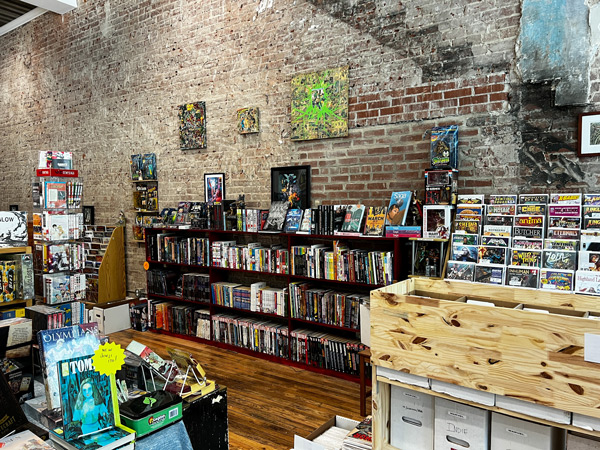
x=105 y=80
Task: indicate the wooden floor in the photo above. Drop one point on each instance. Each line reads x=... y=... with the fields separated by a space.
x=267 y=402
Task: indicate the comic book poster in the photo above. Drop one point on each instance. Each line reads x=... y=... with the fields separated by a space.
x=77 y=340
x=457 y=270
x=86 y=396
x=522 y=276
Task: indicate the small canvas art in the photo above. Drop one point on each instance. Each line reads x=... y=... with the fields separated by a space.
x=320 y=105
x=214 y=187
x=192 y=126
x=291 y=184
x=248 y=120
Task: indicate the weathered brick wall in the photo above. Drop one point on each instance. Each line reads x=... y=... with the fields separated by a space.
x=105 y=80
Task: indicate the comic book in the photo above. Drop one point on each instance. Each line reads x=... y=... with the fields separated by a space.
x=559 y=280
x=135 y=167
x=564 y=210
x=276 y=217
x=469 y=210
x=459 y=270
x=522 y=276
x=592 y=211
x=530 y=258
x=375 y=221
x=503 y=199
x=305 y=223
x=496 y=241
x=559 y=259
x=491 y=255
x=528 y=199
x=587 y=282
x=353 y=219
x=465 y=238
x=528 y=232
x=398 y=208
x=561 y=244
x=530 y=221
x=531 y=209
x=292 y=220
x=499 y=220
x=564 y=222
x=466 y=226
x=566 y=199
x=497 y=230
x=563 y=233
x=489 y=274
x=591 y=223
x=589 y=260
x=471 y=199
x=444 y=147
x=149 y=166
x=55 y=194
x=77 y=340
x=591 y=199
x=501 y=210
x=466 y=253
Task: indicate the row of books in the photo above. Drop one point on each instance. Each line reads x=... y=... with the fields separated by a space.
x=326 y=351
x=166 y=247
x=252 y=256
x=45 y=317
x=325 y=305
x=261 y=336
x=53 y=194
x=16 y=276
x=54 y=226
x=54 y=258
x=196 y=287
x=164 y=282
x=61 y=288
x=257 y=297
x=342 y=263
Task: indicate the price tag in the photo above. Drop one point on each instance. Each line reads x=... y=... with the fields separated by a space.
x=108 y=358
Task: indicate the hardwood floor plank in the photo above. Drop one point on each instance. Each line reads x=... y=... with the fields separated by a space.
x=268 y=403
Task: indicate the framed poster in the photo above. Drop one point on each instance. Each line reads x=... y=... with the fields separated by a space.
x=214 y=187
x=192 y=126
x=88 y=215
x=589 y=134
x=248 y=120
x=291 y=184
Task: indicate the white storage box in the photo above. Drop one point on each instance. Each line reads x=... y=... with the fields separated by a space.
x=517 y=434
x=111 y=319
x=533 y=409
x=465 y=393
x=459 y=426
x=307 y=443
x=365 y=325
x=411 y=419
x=403 y=377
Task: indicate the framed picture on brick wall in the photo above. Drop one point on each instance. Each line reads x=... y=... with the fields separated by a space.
x=88 y=215
x=291 y=184
x=192 y=126
x=589 y=134
x=214 y=187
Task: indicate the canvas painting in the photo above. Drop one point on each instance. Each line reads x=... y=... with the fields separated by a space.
x=320 y=105
x=192 y=126
x=247 y=120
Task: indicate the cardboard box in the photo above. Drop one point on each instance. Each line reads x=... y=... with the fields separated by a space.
x=411 y=419
x=111 y=317
x=458 y=426
x=517 y=434
x=307 y=443
x=365 y=325
x=586 y=422
x=465 y=393
x=533 y=409
x=403 y=377
x=577 y=441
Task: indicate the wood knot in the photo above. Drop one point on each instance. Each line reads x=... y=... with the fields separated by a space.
x=389 y=298
x=543 y=364
x=577 y=389
x=455 y=323
x=385 y=357
x=546 y=375
x=419 y=340
x=491 y=362
x=482 y=387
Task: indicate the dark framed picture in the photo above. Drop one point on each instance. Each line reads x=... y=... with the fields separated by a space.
x=13 y=208
x=291 y=184
x=589 y=134
x=88 y=215
x=214 y=187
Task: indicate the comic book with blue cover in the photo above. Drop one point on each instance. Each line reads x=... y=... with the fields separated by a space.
x=55 y=345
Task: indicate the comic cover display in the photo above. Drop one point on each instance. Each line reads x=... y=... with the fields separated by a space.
x=398 y=208
x=525 y=199
x=522 y=276
x=529 y=221
x=531 y=210
x=561 y=244
x=528 y=232
x=497 y=230
x=528 y=244
x=468 y=226
x=559 y=259
x=591 y=223
x=563 y=233
x=375 y=221
x=589 y=260
x=501 y=209
x=456 y=270
x=471 y=199
x=564 y=222
x=587 y=282
x=503 y=200
x=467 y=253
x=465 y=238
x=566 y=199
x=292 y=220
x=531 y=258
x=491 y=255
x=564 y=210
x=591 y=199
x=276 y=217
x=469 y=210
x=499 y=220
x=489 y=274
x=496 y=241
x=558 y=280
x=591 y=211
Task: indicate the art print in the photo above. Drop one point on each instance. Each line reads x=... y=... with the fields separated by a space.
x=214 y=187
x=192 y=126
x=292 y=185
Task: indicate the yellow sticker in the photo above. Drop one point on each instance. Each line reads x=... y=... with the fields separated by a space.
x=146 y=265
x=108 y=358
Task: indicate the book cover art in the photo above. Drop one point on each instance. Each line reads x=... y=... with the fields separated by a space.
x=77 y=340
x=529 y=232
x=531 y=210
x=263 y=215
x=497 y=230
x=529 y=221
x=496 y=241
x=353 y=218
x=489 y=274
x=471 y=199
x=591 y=199
x=563 y=233
x=456 y=270
x=591 y=223
x=86 y=398
x=561 y=244
x=591 y=211
x=559 y=259
x=149 y=166
x=436 y=221
x=375 y=221
x=491 y=255
x=135 y=167
x=339 y=213
x=276 y=216
x=503 y=200
x=469 y=210
x=466 y=253
x=25 y=440
x=501 y=210
x=564 y=222
x=13 y=229
x=589 y=260
x=499 y=220
x=62 y=160
x=528 y=199
x=590 y=240
x=566 y=199
x=444 y=147
x=530 y=258
x=587 y=282
x=522 y=276
x=398 y=208
x=467 y=226
x=468 y=217
x=58 y=257
x=558 y=280
x=55 y=194
x=292 y=220
x=306 y=220
x=465 y=239
x=564 y=210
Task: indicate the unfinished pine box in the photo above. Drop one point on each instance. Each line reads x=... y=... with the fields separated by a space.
x=426 y=328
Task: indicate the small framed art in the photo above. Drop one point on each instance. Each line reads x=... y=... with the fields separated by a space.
x=291 y=184
x=589 y=134
x=88 y=215
x=214 y=187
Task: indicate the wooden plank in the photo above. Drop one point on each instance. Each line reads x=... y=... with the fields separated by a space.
x=12 y=250
x=522 y=354
x=381 y=413
x=112 y=277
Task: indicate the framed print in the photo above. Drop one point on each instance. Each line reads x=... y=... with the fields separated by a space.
x=192 y=126
x=214 y=187
x=291 y=184
x=13 y=208
x=88 y=215
x=589 y=134
x=248 y=120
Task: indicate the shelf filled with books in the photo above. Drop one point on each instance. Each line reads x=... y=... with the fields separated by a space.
x=289 y=297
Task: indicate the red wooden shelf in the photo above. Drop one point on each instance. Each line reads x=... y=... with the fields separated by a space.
x=192 y=266
x=321 y=324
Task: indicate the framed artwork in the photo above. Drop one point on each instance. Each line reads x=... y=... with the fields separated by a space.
x=291 y=184
x=13 y=208
x=248 y=120
x=589 y=134
x=88 y=215
x=214 y=187
x=320 y=105
x=192 y=126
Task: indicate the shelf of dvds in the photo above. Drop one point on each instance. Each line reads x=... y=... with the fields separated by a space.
x=279 y=288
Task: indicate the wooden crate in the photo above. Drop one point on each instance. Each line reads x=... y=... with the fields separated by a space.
x=424 y=327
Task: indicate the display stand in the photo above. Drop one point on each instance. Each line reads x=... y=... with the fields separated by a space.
x=5 y=253
x=428 y=257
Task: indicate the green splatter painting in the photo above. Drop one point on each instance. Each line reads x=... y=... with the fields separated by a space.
x=320 y=105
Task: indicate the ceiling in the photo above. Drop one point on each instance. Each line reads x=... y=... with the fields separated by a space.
x=14 y=13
